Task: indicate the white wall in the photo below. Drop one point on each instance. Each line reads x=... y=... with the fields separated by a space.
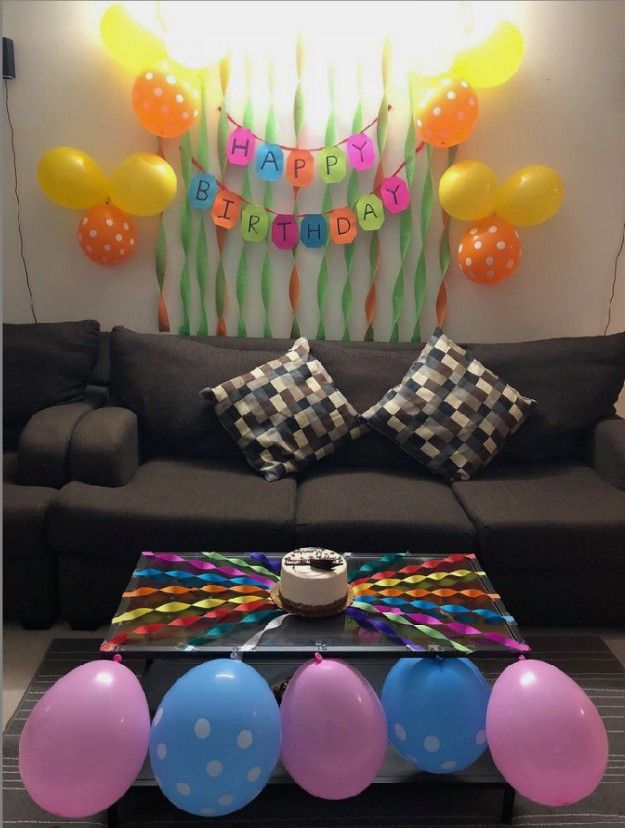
x=565 y=108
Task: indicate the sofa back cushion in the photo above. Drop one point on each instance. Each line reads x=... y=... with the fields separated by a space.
x=160 y=377
x=45 y=364
x=575 y=382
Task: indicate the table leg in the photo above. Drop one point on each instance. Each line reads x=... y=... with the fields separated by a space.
x=507 y=805
x=112 y=816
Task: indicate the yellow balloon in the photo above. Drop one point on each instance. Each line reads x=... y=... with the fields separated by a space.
x=143 y=184
x=494 y=60
x=71 y=178
x=467 y=190
x=530 y=196
x=128 y=41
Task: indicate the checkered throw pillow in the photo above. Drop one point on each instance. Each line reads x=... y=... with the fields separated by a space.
x=285 y=414
x=449 y=412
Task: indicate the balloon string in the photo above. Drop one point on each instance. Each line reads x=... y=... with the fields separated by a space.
x=306 y=149
x=222 y=186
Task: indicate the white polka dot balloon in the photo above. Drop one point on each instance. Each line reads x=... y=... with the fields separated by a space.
x=436 y=712
x=215 y=738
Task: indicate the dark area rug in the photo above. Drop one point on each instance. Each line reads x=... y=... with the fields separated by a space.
x=586 y=659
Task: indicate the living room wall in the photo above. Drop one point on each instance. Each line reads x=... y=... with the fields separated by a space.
x=565 y=108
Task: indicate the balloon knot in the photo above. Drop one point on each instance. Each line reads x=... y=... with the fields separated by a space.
x=521 y=658
x=117 y=658
x=318 y=658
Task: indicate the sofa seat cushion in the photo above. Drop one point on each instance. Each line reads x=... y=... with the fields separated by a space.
x=546 y=516
x=373 y=511
x=176 y=505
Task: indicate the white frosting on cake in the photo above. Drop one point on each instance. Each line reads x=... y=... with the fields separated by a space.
x=304 y=584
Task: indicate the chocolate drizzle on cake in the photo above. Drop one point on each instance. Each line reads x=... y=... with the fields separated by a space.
x=321 y=559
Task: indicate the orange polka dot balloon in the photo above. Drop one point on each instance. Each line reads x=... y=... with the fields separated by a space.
x=107 y=235
x=446 y=113
x=165 y=101
x=490 y=251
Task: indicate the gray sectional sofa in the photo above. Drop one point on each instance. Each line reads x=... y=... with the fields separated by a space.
x=154 y=469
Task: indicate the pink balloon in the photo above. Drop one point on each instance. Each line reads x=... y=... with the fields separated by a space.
x=333 y=729
x=86 y=739
x=545 y=735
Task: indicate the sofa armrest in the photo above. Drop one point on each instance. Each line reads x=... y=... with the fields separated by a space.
x=43 y=447
x=607 y=451
x=104 y=449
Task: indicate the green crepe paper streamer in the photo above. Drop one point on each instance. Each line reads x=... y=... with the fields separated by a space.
x=373 y=257
x=202 y=147
x=444 y=255
x=220 y=289
x=381 y=135
x=298 y=113
x=160 y=255
x=322 y=295
x=242 y=281
x=201 y=252
x=201 y=266
x=265 y=289
x=298 y=122
x=322 y=278
x=405 y=230
x=420 y=272
x=353 y=186
x=185 y=237
x=222 y=137
x=382 y=129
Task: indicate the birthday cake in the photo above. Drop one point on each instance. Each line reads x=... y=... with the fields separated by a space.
x=313 y=582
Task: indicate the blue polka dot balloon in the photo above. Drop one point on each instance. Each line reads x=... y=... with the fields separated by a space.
x=215 y=738
x=436 y=712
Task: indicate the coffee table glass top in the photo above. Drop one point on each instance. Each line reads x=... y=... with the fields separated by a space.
x=204 y=603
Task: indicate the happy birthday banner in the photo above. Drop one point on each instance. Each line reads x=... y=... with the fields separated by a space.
x=340 y=224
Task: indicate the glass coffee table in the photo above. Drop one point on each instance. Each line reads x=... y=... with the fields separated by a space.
x=181 y=609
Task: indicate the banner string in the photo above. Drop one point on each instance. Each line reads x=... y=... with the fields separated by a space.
x=307 y=149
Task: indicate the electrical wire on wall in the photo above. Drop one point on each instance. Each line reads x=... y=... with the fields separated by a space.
x=17 y=200
x=618 y=255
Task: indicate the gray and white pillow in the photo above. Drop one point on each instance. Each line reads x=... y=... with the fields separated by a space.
x=449 y=412
x=286 y=413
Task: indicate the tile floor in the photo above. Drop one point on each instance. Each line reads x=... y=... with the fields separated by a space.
x=24 y=649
